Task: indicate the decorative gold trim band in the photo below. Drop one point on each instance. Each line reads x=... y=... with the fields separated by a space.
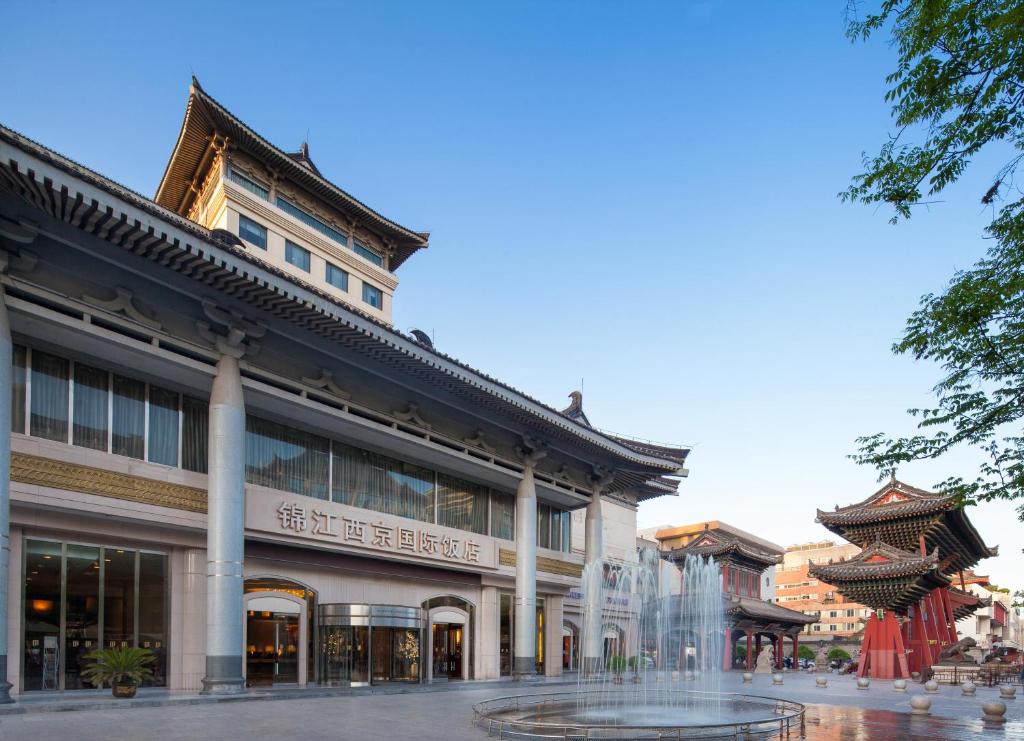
x=32 y=469
x=545 y=564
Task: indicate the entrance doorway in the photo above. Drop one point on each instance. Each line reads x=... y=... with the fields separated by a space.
x=272 y=655
x=447 y=642
x=395 y=654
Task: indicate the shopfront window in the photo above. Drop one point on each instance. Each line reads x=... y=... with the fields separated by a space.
x=506 y=633
x=82 y=597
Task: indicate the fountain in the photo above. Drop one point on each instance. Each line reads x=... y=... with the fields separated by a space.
x=662 y=676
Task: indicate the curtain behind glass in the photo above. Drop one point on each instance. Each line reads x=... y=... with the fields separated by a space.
x=49 y=397
x=382 y=484
x=195 y=420
x=543 y=526
x=18 y=390
x=503 y=516
x=556 y=529
x=90 y=412
x=163 y=426
x=461 y=504
x=129 y=417
x=284 y=458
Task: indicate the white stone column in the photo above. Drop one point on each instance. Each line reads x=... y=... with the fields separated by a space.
x=6 y=373
x=593 y=646
x=524 y=645
x=487 y=634
x=225 y=532
x=553 y=612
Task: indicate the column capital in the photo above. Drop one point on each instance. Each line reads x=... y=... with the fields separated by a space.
x=600 y=478
x=236 y=335
x=532 y=450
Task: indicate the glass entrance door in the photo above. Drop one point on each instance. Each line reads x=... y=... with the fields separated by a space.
x=273 y=648
x=345 y=653
x=447 y=659
x=395 y=654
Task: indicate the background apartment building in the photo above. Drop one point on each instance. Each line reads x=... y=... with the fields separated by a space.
x=836 y=616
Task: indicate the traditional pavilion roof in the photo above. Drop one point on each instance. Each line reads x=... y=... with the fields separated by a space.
x=761 y=615
x=98 y=206
x=662 y=486
x=882 y=576
x=899 y=515
x=205 y=118
x=725 y=549
x=965 y=603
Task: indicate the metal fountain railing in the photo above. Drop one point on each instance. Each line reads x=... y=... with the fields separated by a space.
x=523 y=717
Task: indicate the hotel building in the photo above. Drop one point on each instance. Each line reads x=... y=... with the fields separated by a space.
x=221 y=449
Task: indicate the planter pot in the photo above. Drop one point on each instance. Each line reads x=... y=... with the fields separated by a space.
x=899 y=685
x=968 y=688
x=124 y=690
x=931 y=687
x=1007 y=693
x=776 y=678
x=920 y=705
x=994 y=712
x=636 y=679
x=821 y=682
x=863 y=683
x=747 y=677
x=618 y=679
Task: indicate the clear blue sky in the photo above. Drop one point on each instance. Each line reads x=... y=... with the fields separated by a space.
x=641 y=195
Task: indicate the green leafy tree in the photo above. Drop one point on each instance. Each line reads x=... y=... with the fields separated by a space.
x=838 y=653
x=805 y=652
x=958 y=88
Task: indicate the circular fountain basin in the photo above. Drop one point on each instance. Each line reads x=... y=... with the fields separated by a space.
x=605 y=714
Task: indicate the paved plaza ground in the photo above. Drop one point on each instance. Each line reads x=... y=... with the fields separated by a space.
x=837 y=713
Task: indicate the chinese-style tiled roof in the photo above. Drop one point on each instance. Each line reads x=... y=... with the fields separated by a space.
x=764 y=614
x=899 y=514
x=98 y=206
x=659 y=487
x=882 y=576
x=575 y=409
x=205 y=118
x=966 y=603
x=724 y=549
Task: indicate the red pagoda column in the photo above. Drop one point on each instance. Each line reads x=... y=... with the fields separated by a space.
x=779 y=663
x=750 y=653
x=796 y=650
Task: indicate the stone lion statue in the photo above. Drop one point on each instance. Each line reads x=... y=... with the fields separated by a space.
x=957 y=653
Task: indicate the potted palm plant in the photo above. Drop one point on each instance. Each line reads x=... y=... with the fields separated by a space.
x=123 y=668
x=617 y=665
x=635 y=664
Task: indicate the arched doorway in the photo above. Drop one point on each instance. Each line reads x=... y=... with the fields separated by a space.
x=450 y=635
x=277 y=632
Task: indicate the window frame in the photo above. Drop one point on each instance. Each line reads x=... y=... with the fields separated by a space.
x=290 y=248
x=266 y=233
x=370 y=288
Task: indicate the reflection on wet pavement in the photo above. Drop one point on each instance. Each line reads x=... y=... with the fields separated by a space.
x=839 y=723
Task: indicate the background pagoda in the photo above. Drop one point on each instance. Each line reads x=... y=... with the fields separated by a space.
x=913 y=544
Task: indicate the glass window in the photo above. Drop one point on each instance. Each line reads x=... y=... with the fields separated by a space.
x=49 y=397
x=252 y=232
x=373 y=296
x=250 y=185
x=18 y=390
x=543 y=526
x=42 y=615
x=129 y=423
x=567 y=531
x=296 y=255
x=81 y=612
x=285 y=458
x=505 y=627
x=337 y=277
x=382 y=484
x=118 y=597
x=365 y=252
x=556 y=529
x=90 y=414
x=461 y=504
x=195 y=414
x=163 y=426
x=310 y=220
x=503 y=516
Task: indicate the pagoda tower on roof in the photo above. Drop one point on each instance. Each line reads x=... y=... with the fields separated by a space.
x=914 y=542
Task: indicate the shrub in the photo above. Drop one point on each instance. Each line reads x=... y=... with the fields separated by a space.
x=118 y=666
x=838 y=653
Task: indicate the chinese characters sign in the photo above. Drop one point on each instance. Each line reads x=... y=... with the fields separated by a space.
x=363 y=529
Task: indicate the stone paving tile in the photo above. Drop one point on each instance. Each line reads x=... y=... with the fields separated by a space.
x=852 y=715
